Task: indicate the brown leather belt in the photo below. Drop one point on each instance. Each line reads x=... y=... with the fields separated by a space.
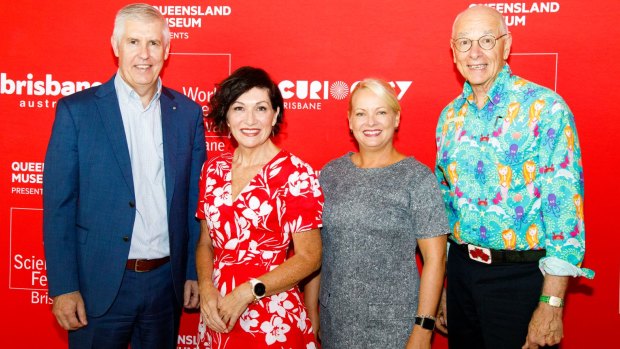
x=143 y=265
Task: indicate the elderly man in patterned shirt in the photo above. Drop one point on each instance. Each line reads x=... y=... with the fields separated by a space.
x=509 y=165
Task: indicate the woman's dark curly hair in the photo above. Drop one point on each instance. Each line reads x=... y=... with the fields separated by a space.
x=239 y=82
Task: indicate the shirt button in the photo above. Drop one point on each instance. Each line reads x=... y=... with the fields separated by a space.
x=125 y=238
x=132 y=204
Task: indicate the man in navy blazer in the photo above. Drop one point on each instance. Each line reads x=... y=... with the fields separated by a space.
x=120 y=192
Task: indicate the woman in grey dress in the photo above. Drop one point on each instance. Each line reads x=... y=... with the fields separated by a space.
x=379 y=205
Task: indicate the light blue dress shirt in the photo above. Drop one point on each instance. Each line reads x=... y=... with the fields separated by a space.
x=143 y=130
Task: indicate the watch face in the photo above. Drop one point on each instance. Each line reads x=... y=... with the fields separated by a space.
x=555 y=302
x=259 y=289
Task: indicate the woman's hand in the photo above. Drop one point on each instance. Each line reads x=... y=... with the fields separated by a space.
x=311 y=289
x=234 y=304
x=210 y=299
x=316 y=325
x=419 y=339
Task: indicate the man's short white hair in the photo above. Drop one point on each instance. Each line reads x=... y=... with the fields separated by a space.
x=139 y=12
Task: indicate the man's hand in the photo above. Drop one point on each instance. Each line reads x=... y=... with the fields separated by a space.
x=70 y=311
x=209 y=302
x=442 y=314
x=191 y=295
x=545 y=327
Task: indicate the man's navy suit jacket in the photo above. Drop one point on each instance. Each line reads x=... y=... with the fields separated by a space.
x=89 y=200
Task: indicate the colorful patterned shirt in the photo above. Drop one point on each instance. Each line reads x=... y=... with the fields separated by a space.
x=511 y=173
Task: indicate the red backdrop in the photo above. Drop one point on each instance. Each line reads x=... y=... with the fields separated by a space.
x=317 y=50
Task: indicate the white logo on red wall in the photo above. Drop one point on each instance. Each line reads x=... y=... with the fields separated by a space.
x=309 y=95
x=182 y=18
x=40 y=91
x=28 y=270
x=339 y=90
x=515 y=13
x=187 y=341
x=201 y=87
x=26 y=178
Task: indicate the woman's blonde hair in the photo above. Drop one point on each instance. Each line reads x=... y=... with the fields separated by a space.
x=379 y=87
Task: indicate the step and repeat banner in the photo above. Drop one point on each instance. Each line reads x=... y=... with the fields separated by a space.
x=317 y=51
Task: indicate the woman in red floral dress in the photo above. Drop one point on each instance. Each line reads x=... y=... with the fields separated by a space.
x=253 y=205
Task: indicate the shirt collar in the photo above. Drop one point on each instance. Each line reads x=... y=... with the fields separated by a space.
x=498 y=85
x=127 y=93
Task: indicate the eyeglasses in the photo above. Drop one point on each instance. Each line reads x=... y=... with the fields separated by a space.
x=486 y=42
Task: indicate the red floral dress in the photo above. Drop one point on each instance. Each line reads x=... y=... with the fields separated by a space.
x=251 y=236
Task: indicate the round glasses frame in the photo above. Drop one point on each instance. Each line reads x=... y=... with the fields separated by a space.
x=486 y=42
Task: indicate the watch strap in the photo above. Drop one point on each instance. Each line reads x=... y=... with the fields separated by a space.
x=426 y=322
x=552 y=301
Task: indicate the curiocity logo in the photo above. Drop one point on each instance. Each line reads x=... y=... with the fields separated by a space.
x=310 y=94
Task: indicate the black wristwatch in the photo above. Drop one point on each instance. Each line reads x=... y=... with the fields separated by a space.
x=258 y=289
x=426 y=322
